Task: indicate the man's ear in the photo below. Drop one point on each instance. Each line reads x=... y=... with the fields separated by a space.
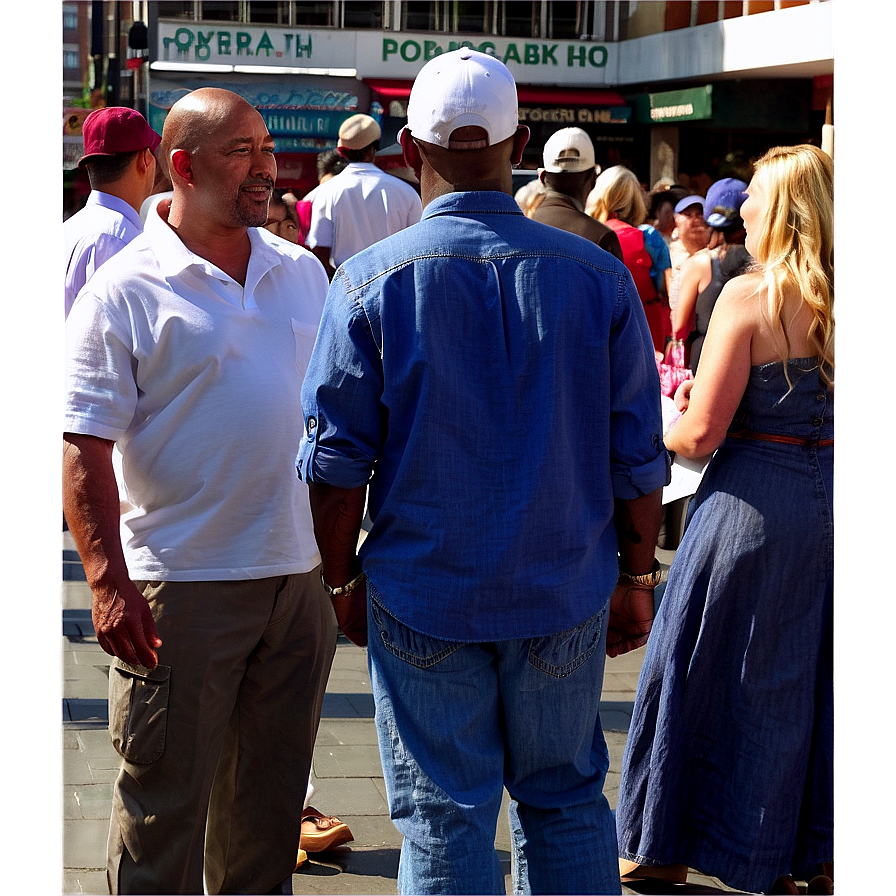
x=520 y=139
x=411 y=152
x=181 y=164
x=145 y=160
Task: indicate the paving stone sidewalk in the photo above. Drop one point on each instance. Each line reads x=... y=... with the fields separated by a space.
x=348 y=777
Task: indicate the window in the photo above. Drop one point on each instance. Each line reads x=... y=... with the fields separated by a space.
x=519 y=19
x=567 y=20
x=269 y=13
x=69 y=16
x=362 y=15
x=471 y=17
x=422 y=16
x=184 y=10
x=309 y=15
x=223 y=11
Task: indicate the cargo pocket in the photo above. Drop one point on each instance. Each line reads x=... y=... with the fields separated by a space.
x=138 y=711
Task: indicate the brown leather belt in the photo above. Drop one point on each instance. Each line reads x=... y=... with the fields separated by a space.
x=784 y=440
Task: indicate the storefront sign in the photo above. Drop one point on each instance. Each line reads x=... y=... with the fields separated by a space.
x=693 y=104
x=292 y=106
x=289 y=123
x=577 y=115
x=568 y=55
x=375 y=53
x=194 y=43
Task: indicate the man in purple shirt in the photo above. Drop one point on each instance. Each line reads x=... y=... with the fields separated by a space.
x=489 y=384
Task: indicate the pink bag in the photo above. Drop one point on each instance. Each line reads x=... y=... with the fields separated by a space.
x=672 y=369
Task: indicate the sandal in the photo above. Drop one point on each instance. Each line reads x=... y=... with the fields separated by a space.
x=322 y=832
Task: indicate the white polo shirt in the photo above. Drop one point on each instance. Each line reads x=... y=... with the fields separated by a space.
x=92 y=236
x=359 y=207
x=198 y=381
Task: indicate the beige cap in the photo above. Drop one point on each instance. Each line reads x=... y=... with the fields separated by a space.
x=358 y=132
x=569 y=149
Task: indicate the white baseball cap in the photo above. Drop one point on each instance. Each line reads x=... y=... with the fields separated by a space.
x=569 y=149
x=460 y=89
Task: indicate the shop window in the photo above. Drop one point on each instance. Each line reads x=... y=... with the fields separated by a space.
x=422 y=16
x=184 y=10
x=269 y=13
x=362 y=15
x=220 y=11
x=566 y=20
x=519 y=19
x=319 y=14
x=471 y=17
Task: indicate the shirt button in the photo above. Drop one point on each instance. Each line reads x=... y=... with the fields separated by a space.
x=820 y=396
x=312 y=425
x=817 y=421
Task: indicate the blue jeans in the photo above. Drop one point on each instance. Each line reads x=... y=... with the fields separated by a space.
x=459 y=722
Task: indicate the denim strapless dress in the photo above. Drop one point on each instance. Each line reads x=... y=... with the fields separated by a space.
x=728 y=766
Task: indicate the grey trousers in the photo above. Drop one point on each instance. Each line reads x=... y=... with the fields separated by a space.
x=217 y=741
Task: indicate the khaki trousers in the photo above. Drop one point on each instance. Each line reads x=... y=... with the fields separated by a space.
x=217 y=741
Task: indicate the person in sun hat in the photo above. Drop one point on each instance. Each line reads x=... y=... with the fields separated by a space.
x=488 y=385
x=364 y=203
x=568 y=175
x=119 y=157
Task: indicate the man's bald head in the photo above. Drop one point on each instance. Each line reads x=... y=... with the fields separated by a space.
x=221 y=161
x=194 y=117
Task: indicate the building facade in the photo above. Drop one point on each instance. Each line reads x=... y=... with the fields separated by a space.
x=678 y=90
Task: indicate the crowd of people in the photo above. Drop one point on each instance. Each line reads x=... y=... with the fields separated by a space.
x=470 y=375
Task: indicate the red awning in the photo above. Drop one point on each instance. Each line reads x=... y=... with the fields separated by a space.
x=390 y=89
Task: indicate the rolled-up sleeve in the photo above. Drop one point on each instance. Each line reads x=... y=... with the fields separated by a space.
x=341 y=397
x=639 y=462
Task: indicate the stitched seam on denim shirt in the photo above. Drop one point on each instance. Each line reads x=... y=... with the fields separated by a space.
x=485 y=259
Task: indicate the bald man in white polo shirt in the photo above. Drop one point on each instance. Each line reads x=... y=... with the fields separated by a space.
x=363 y=204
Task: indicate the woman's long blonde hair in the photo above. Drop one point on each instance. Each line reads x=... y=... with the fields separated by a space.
x=617 y=194
x=794 y=245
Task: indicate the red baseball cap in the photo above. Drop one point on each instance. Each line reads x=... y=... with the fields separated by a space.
x=116 y=129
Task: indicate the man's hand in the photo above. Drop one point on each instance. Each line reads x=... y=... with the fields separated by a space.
x=124 y=626
x=631 y=618
x=351 y=614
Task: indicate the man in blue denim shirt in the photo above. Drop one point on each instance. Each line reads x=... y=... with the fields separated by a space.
x=493 y=382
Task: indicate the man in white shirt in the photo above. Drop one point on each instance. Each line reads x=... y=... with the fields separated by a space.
x=188 y=350
x=119 y=155
x=363 y=204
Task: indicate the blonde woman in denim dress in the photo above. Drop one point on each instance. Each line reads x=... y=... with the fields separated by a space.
x=728 y=767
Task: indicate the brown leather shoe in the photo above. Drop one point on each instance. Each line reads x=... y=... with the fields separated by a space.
x=322 y=832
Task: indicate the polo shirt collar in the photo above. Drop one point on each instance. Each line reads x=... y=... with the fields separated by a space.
x=174 y=257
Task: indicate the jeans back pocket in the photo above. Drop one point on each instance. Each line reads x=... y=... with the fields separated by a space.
x=138 y=711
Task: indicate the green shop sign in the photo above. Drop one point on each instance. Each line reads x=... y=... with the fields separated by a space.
x=569 y=55
x=681 y=105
